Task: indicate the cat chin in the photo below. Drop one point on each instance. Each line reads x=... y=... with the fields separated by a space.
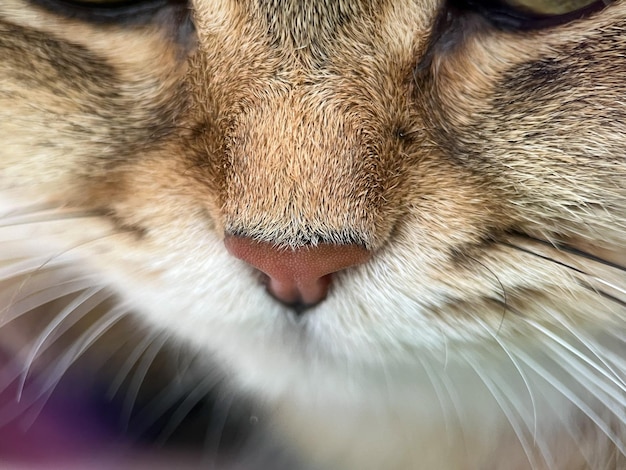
x=487 y=415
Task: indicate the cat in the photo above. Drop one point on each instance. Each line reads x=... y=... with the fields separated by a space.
x=395 y=228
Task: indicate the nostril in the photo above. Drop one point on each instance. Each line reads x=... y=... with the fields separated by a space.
x=300 y=276
x=295 y=302
x=294 y=291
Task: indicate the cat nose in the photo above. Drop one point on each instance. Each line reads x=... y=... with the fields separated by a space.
x=298 y=277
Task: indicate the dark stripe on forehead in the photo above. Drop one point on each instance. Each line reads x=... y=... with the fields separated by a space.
x=310 y=27
x=81 y=94
x=570 y=72
x=122 y=13
x=34 y=57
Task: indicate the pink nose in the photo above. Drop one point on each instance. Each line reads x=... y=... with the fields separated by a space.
x=301 y=275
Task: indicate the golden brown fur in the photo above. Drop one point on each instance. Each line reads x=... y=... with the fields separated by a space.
x=484 y=168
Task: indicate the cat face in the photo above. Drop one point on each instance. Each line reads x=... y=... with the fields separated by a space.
x=481 y=169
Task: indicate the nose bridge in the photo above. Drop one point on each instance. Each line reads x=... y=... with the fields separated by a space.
x=297 y=133
x=297 y=172
x=298 y=111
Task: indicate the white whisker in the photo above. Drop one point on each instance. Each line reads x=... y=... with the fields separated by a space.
x=597 y=350
x=593 y=384
x=39 y=298
x=26 y=266
x=501 y=400
x=217 y=424
x=610 y=284
x=573 y=398
x=78 y=308
x=128 y=365
x=576 y=352
x=157 y=407
x=441 y=391
x=191 y=400
x=43 y=216
x=519 y=370
x=155 y=345
x=83 y=343
x=45 y=391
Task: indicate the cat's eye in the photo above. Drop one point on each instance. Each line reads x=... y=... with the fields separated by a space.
x=550 y=7
x=531 y=14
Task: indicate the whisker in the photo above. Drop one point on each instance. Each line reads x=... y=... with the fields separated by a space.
x=604 y=294
x=89 y=337
x=542 y=256
x=603 y=272
x=128 y=365
x=573 y=398
x=519 y=370
x=194 y=397
x=576 y=352
x=455 y=401
x=440 y=392
x=611 y=285
x=612 y=399
x=157 y=407
x=13 y=409
x=34 y=409
x=84 y=342
x=215 y=429
x=57 y=256
x=614 y=358
x=10 y=372
x=596 y=350
x=78 y=308
x=618 y=334
x=577 y=252
x=604 y=394
x=39 y=298
x=501 y=400
x=24 y=267
x=51 y=215
x=183 y=361
x=139 y=376
x=503 y=301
